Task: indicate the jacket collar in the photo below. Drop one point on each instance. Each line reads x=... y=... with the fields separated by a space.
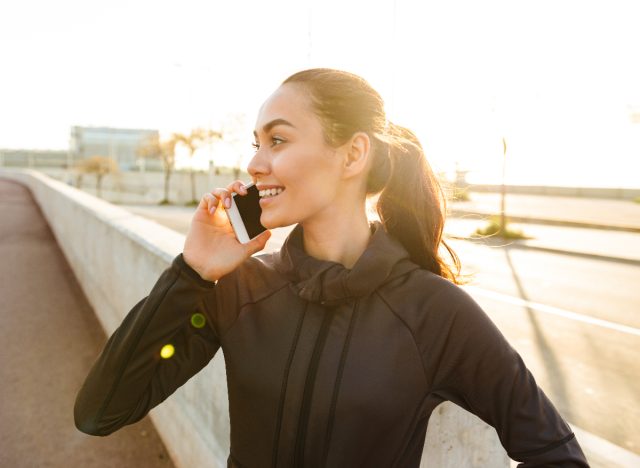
x=330 y=283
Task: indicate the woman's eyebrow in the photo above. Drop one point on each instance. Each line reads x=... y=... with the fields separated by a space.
x=268 y=126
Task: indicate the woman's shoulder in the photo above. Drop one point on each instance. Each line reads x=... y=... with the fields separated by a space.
x=423 y=296
x=424 y=285
x=253 y=278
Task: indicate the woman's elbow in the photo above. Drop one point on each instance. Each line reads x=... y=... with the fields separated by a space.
x=87 y=418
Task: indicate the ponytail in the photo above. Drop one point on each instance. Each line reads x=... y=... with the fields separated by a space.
x=412 y=204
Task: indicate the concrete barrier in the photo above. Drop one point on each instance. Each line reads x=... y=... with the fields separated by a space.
x=117 y=257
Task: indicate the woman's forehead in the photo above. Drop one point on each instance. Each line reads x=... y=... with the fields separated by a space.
x=287 y=103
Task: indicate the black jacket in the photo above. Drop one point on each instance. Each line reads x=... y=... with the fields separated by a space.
x=326 y=366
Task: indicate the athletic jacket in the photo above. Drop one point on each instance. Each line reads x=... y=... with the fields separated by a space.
x=326 y=366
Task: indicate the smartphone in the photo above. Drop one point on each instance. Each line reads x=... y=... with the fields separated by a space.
x=244 y=214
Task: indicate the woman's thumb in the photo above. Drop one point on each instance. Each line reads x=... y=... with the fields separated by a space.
x=258 y=243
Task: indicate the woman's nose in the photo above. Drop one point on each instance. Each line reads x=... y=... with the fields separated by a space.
x=259 y=165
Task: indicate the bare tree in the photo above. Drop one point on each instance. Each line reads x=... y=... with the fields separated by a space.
x=165 y=151
x=98 y=165
x=503 y=191
x=196 y=139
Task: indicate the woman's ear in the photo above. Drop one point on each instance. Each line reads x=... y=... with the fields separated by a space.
x=356 y=154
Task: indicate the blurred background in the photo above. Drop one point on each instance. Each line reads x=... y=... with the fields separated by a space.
x=529 y=112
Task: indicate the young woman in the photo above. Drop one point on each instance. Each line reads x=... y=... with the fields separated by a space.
x=339 y=346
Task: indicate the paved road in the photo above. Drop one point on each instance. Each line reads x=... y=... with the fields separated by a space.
x=589 y=371
x=50 y=337
x=600 y=211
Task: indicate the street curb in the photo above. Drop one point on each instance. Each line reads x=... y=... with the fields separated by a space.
x=515 y=244
x=597 y=447
x=552 y=222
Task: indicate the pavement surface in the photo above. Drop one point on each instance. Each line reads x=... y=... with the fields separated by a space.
x=50 y=337
x=609 y=214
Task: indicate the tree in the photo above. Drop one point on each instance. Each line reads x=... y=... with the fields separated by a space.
x=98 y=165
x=164 y=150
x=503 y=190
x=196 y=139
x=498 y=225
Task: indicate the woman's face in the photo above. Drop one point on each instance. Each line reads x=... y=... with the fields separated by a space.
x=293 y=161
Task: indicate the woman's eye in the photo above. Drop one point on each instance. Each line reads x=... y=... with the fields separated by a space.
x=275 y=142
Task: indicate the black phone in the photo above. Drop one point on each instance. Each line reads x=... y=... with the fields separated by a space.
x=244 y=214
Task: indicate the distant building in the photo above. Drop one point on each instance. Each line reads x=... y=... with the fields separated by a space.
x=120 y=144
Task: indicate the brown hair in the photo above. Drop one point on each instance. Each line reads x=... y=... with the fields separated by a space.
x=412 y=204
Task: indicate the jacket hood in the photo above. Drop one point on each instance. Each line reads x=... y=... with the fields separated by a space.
x=331 y=283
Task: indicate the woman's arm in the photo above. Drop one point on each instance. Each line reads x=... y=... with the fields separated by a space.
x=476 y=368
x=130 y=376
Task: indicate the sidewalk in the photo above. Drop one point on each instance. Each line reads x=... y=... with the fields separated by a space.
x=557 y=224
x=50 y=337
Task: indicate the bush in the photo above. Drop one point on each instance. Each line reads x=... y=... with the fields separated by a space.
x=492 y=229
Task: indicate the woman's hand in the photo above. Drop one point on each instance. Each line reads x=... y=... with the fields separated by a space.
x=211 y=247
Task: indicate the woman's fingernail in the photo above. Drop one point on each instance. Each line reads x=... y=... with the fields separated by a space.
x=212 y=209
x=227 y=202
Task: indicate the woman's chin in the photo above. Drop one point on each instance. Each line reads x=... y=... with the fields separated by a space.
x=272 y=222
x=268 y=222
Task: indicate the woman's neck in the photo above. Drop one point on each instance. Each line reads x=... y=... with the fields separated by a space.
x=340 y=238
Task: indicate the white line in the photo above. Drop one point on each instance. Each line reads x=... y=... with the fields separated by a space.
x=553 y=310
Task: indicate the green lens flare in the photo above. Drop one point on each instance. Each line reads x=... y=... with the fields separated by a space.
x=198 y=320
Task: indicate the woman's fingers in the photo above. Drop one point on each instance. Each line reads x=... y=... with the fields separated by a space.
x=209 y=203
x=225 y=194
x=237 y=186
x=257 y=244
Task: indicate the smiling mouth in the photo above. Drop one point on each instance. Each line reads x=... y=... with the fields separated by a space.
x=269 y=193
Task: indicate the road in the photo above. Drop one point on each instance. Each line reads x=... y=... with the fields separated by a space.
x=572 y=319
x=589 y=371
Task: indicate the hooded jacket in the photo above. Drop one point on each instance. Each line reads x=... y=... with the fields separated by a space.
x=326 y=366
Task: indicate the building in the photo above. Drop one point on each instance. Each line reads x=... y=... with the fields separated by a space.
x=120 y=144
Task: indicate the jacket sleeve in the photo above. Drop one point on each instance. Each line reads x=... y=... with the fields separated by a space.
x=475 y=367
x=130 y=376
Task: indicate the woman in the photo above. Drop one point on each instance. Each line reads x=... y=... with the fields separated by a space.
x=338 y=347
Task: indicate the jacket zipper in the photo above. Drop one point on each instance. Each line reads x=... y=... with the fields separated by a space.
x=298 y=458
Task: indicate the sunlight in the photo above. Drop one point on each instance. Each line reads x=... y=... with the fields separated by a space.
x=461 y=74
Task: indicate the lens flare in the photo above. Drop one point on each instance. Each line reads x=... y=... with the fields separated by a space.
x=198 y=320
x=167 y=351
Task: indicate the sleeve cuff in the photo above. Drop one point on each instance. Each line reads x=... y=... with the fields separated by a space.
x=184 y=267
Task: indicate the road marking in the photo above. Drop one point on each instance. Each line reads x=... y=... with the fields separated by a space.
x=553 y=310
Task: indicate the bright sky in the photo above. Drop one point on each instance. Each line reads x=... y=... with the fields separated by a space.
x=558 y=79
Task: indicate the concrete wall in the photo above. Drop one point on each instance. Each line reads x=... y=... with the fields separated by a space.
x=117 y=257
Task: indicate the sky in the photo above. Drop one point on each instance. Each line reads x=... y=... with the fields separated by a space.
x=558 y=80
